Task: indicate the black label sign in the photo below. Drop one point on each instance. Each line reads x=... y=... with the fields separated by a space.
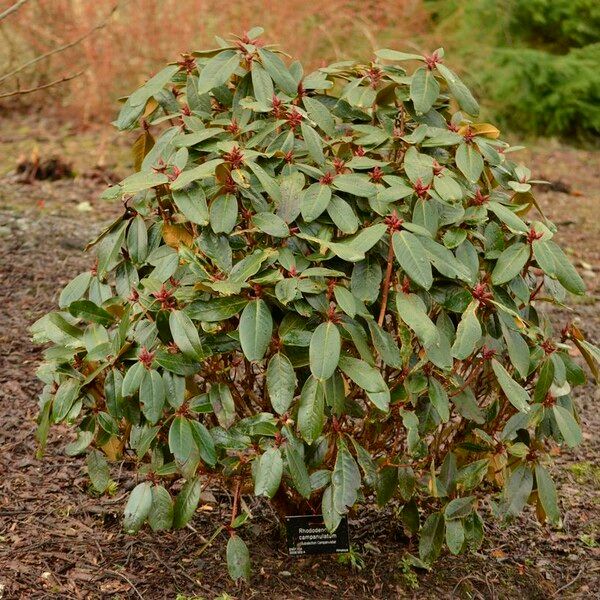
x=307 y=534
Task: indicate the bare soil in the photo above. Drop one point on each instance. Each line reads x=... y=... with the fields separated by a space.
x=58 y=540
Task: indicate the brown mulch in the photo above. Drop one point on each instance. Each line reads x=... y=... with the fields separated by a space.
x=58 y=540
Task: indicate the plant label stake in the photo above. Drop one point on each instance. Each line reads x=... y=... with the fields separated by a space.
x=307 y=534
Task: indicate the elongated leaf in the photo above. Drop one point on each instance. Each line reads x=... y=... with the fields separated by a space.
x=469 y=162
x=311 y=412
x=568 y=426
x=313 y=142
x=413 y=258
x=516 y=395
x=268 y=473
x=185 y=335
x=547 y=494
x=98 y=470
x=256 y=327
x=238 y=558
x=424 y=90
x=281 y=382
x=439 y=399
x=432 y=537
x=314 y=201
x=186 y=502
x=137 y=507
x=468 y=333
x=324 y=350
x=368 y=378
x=459 y=90
x=510 y=263
x=298 y=470
x=160 y=517
x=345 y=479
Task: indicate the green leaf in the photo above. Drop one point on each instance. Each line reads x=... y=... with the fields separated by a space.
x=256 y=327
x=385 y=344
x=75 y=289
x=469 y=161
x=185 y=335
x=291 y=195
x=424 y=90
x=314 y=201
x=459 y=508
x=553 y=261
x=455 y=536
x=439 y=399
x=152 y=395
x=345 y=479
x=137 y=507
x=311 y=412
x=281 y=382
x=510 y=263
x=324 y=350
x=271 y=224
x=217 y=71
x=547 y=495
x=204 y=443
x=186 y=502
x=387 y=54
x=238 y=558
x=191 y=202
x=222 y=404
x=67 y=393
x=459 y=90
x=175 y=363
x=516 y=395
x=320 y=115
x=262 y=85
x=98 y=470
x=368 y=378
x=342 y=215
x=431 y=537
x=268 y=473
x=314 y=143
x=352 y=183
x=413 y=258
x=223 y=213
x=279 y=73
x=468 y=333
x=297 y=469
x=89 y=311
x=160 y=517
x=568 y=426
x=137 y=240
x=331 y=517
x=517 y=490
x=181 y=442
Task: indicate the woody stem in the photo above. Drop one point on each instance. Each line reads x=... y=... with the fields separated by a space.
x=386 y=283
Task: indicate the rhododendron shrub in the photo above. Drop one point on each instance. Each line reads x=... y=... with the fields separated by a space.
x=324 y=288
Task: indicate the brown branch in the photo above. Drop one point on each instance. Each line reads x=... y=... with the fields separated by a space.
x=236 y=497
x=386 y=284
x=62 y=48
x=11 y=9
x=41 y=87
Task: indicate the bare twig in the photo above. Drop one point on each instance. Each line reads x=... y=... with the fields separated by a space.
x=129 y=582
x=41 y=87
x=62 y=48
x=11 y=9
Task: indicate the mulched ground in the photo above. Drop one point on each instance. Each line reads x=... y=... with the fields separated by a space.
x=59 y=541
